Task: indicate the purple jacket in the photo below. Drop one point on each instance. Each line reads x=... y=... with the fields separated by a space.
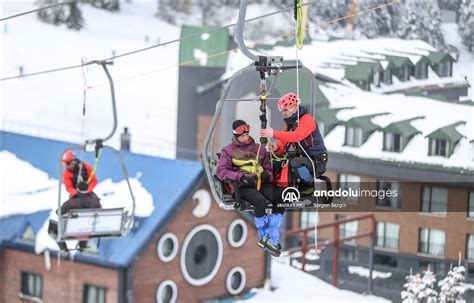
x=241 y=151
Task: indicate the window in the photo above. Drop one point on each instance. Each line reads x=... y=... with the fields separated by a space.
x=347 y=230
x=470 y=270
x=388 y=235
x=31 y=285
x=470 y=205
x=376 y=80
x=431 y=241
x=167 y=292
x=28 y=234
x=392 y=142
x=385 y=260
x=94 y=294
x=347 y=182
x=235 y=280
x=349 y=254
x=439 y=147
x=237 y=233
x=470 y=247
x=306 y=219
x=353 y=136
x=387 y=76
x=423 y=70
x=404 y=73
x=167 y=247
x=434 y=200
x=437 y=268
x=442 y=69
x=392 y=194
x=201 y=255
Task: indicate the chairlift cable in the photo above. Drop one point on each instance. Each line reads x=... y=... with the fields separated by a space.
x=150 y=47
x=189 y=62
x=359 y=13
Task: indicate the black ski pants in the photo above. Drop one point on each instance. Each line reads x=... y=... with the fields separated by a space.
x=258 y=198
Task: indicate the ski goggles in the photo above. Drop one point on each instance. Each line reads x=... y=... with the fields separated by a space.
x=241 y=129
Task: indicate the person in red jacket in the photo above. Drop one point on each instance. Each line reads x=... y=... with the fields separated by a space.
x=76 y=172
x=80 y=182
x=301 y=135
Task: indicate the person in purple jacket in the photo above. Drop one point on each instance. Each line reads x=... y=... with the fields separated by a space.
x=248 y=164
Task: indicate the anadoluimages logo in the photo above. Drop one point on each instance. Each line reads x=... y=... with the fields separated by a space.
x=290 y=195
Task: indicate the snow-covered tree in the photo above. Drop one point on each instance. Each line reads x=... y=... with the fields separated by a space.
x=422 y=20
x=171 y=10
x=419 y=289
x=411 y=288
x=427 y=293
x=451 y=287
x=324 y=11
x=68 y=14
x=111 y=5
x=451 y=5
x=73 y=16
x=466 y=23
x=380 y=22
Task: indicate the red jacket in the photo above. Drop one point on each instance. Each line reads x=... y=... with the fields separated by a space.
x=71 y=184
x=306 y=126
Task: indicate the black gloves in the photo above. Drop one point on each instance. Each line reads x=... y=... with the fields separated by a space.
x=248 y=181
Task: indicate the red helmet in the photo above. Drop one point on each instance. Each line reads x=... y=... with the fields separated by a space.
x=287 y=101
x=68 y=157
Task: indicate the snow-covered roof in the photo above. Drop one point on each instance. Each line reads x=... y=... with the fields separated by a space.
x=332 y=58
x=31 y=200
x=400 y=107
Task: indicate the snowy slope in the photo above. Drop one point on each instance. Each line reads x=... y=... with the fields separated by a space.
x=293 y=285
x=51 y=105
x=465 y=65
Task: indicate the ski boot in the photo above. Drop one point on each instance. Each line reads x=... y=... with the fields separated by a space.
x=272 y=249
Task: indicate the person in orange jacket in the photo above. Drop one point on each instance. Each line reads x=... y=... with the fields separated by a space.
x=71 y=176
x=301 y=133
x=80 y=182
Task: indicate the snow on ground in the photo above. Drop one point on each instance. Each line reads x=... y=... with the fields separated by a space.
x=465 y=64
x=293 y=285
x=364 y=272
x=51 y=105
x=437 y=114
x=28 y=189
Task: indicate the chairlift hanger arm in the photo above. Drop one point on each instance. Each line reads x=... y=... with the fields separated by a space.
x=104 y=64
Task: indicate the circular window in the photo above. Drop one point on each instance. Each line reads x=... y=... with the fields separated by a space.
x=237 y=233
x=167 y=292
x=201 y=255
x=167 y=247
x=235 y=280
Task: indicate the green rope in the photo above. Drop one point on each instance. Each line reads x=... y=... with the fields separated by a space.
x=279 y=159
x=299 y=26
